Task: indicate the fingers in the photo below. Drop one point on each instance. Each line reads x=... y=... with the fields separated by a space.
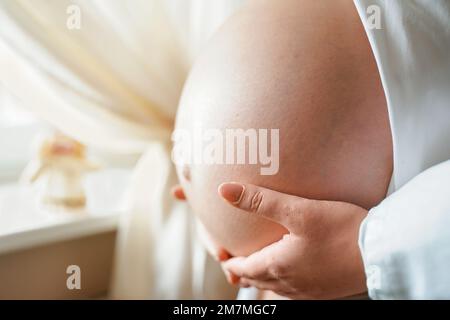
x=178 y=193
x=282 y=208
x=255 y=266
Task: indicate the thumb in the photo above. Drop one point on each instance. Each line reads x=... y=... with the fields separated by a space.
x=279 y=207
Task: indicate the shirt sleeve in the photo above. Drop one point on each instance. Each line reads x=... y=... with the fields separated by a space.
x=405 y=240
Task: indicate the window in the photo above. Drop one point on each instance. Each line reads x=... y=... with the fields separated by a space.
x=19 y=130
x=23 y=222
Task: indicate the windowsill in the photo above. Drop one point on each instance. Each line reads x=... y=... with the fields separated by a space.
x=73 y=227
x=25 y=224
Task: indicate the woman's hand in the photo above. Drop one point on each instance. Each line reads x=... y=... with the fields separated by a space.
x=318 y=259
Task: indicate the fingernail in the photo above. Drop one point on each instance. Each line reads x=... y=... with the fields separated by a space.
x=231 y=191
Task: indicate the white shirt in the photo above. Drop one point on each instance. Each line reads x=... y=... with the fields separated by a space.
x=405 y=240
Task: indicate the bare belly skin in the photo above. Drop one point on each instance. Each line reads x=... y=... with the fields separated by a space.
x=306 y=68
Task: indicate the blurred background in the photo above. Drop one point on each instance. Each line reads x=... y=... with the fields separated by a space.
x=88 y=96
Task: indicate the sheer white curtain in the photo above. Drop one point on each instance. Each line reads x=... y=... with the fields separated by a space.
x=114 y=83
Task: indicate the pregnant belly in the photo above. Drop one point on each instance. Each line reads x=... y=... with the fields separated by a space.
x=290 y=67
